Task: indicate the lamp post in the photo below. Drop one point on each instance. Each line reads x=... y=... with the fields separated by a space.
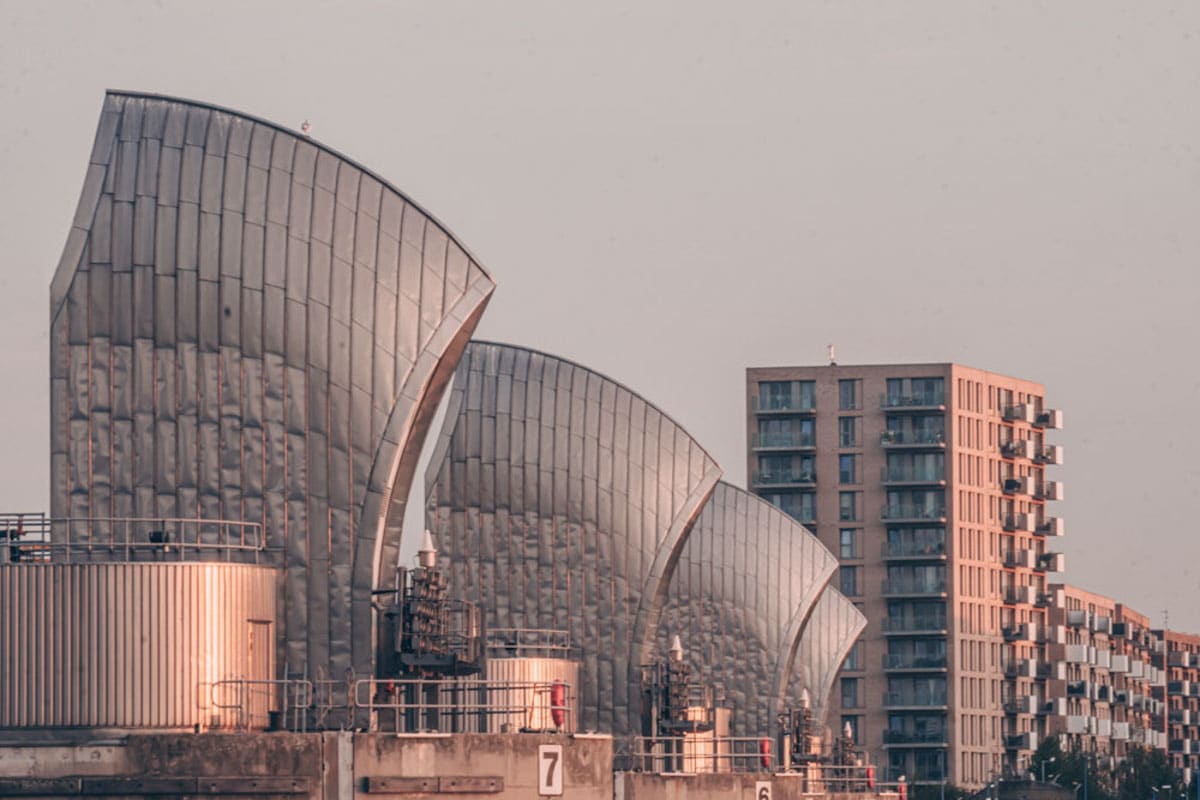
x=1044 y=763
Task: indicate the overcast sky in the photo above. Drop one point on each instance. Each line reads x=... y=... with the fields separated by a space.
x=671 y=193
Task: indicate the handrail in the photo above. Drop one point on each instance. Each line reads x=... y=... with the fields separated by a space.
x=297 y=697
x=40 y=538
x=459 y=704
x=701 y=753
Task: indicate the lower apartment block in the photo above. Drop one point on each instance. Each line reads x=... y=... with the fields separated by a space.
x=1101 y=699
x=1181 y=690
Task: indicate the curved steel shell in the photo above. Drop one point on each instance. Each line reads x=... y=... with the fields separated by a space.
x=741 y=594
x=562 y=500
x=246 y=325
x=833 y=627
x=134 y=645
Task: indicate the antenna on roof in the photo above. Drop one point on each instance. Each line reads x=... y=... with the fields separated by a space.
x=832 y=356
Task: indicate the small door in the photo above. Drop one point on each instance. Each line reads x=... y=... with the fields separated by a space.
x=260 y=691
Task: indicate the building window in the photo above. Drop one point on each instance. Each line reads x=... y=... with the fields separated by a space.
x=787 y=395
x=848 y=543
x=848 y=578
x=847 y=431
x=848 y=506
x=802 y=506
x=849 y=692
x=853 y=660
x=915 y=392
x=852 y=721
x=848 y=469
x=848 y=395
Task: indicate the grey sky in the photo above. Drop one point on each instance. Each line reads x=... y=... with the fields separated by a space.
x=670 y=193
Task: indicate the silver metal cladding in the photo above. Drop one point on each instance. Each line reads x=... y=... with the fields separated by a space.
x=246 y=325
x=747 y=580
x=561 y=500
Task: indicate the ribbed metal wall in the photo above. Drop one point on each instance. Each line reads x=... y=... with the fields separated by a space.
x=527 y=670
x=246 y=325
x=833 y=627
x=128 y=645
x=739 y=599
x=561 y=500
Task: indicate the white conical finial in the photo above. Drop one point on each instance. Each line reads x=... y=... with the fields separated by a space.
x=832 y=356
x=676 y=649
x=805 y=698
x=427 y=555
x=847 y=731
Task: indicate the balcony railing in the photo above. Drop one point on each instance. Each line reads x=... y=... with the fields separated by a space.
x=914 y=625
x=915 y=699
x=907 y=661
x=912 y=439
x=784 y=439
x=904 y=511
x=793 y=403
x=785 y=477
x=914 y=550
x=912 y=475
x=912 y=402
x=913 y=586
x=915 y=737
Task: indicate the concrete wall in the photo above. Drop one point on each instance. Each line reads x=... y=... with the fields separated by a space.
x=727 y=786
x=316 y=766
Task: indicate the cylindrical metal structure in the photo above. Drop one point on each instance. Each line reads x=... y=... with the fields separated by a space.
x=136 y=645
x=531 y=699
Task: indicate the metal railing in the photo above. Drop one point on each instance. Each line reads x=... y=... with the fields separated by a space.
x=785 y=476
x=700 y=753
x=914 y=586
x=466 y=705
x=914 y=550
x=895 y=474
x=911 y=511
x=529 y=643
x=40 y=538
x=793 y=402
x=256 y=702
x=929 y=400
x=912 y=438
x=914 y=625
x=784 y=439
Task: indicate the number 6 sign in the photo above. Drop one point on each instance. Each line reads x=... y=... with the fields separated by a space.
x=762 y=790
x=550 y=770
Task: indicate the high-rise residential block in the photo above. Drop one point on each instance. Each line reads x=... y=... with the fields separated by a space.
x=1180 y=693
x=930 y=483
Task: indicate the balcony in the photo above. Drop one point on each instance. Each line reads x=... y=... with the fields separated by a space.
x=1052 y=526
x=1026 y=523
x=914 y=699
x=1050 y=490
x=1019 y=413
x=1023 y=485
x=898 y=662
x=1054 y=634
x=914 y=626
x=1014 y=595
x=1052 y=670
x=1080 y=689
x=911 y=551
x=1023 y=704
x=911 y=512
x=783 y=479
x=1050 y=454
x=913 y=587
x=1027 y=559
x=910 y=476
x=794 y=404
x=783 y=440
x=913 y=439
x=1120 y=731
x=1021 y=741
x=1120 y=663
x=927 y=738
x=912 y=402
x=1018 y=448
x=1051 y=418
x=1053 y=562
x=1077 y=618
x=1179 y=658
x=1021 y=632
x=1020 y=667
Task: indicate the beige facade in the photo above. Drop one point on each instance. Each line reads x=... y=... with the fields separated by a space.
x=929 y=481
x=1100 y=699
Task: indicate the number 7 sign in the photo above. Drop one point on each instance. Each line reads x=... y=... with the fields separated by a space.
x=550 y=770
